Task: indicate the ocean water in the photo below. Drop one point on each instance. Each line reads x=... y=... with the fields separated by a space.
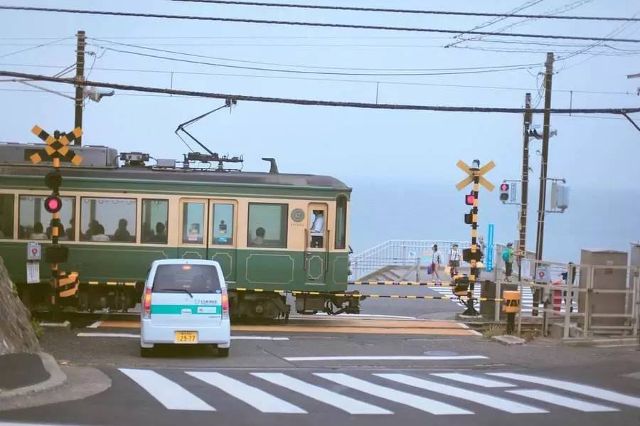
x=596 y=218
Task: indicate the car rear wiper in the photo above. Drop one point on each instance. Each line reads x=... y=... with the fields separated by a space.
x=179 y=289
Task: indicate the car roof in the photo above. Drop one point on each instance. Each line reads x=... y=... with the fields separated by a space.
x=185 y=262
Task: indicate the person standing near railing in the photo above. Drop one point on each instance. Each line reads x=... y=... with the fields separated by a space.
x=507 y=256
x=454 y=260
x=436 y=260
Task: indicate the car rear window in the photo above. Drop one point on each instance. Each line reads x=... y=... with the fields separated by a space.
x=192 y=278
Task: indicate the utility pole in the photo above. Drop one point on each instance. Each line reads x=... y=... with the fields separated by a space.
x=548 y=76
x=79 y=79
x=524 y=198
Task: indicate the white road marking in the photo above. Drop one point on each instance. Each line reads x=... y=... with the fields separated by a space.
x=255 y=397
x=417 y=402
x=385 y=358
x=168 y=393
x=128 y=335
x=563 y=401
x=498 y=403
x=345 y=403
x=95 y=324
x=137 y=336
x=258 y=338
x=591 y=391
x=472 y=380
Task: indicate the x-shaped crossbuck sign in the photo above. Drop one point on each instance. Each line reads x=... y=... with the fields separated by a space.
x=57 y=147
x=475 y=172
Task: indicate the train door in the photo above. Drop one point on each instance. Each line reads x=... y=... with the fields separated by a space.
x=222 y=238
x=192 y=242
x=316 y=243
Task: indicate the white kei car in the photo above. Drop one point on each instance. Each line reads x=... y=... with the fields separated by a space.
x=185 y=301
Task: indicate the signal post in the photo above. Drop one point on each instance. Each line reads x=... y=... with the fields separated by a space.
x=473 y=255
x=57 y=148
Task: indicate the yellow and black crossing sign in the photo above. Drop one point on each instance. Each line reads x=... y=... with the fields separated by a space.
x=473 y=172
x=57 y=145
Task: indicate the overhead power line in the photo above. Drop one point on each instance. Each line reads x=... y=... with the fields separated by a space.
x=308 y=24
x=314 y=102
x=278 y=64
x=333 y=80
x=410 y=11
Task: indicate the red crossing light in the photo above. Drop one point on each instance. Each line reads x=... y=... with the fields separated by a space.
x=53 y=204
x=469 y=199
x=504 y=187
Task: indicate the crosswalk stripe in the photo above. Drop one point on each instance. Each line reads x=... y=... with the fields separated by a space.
x=554 y=398
x=473 y=380
x=255 y=397
x=418 y=402
x=167 y=392
x=498 y=403
x=345 y=403
x=591 y=391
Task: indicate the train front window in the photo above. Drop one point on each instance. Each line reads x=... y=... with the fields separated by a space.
x=34 y=221
x=267 y=225
x=192 y=223
x=108 y=219
x=222 y=232
x=155 y=218
x=6 y=215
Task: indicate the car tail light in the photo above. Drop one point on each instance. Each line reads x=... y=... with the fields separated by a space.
x=146 y=303
x=225 y=304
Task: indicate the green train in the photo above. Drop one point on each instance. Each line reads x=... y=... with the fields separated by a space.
x=273 y=233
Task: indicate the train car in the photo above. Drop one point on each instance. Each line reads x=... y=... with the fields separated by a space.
x=273 y=233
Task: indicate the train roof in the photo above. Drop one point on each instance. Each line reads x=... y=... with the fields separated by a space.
x=185 y=176
x=101 y=165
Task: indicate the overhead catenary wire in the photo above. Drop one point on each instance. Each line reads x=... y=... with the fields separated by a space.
x=290 y=71
x=327 y=79
x=137 y=46
x=314 y=102
x=306 y=24
x=409 y=11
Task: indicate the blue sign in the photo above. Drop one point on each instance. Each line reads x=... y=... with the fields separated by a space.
x=489 y=253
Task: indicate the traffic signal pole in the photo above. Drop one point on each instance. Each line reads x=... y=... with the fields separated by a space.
x=524 y=198
x=548 y=76
x=81 y=43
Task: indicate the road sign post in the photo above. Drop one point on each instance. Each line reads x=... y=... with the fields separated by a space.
x=473 y=255
x=57 y=148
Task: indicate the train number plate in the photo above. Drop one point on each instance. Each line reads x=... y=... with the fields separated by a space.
x=186 y=337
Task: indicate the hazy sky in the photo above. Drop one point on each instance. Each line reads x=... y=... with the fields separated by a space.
x=357 y=146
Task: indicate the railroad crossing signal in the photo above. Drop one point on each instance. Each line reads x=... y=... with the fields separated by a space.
x=57 y=148
x=473 y=255
x=57 y=145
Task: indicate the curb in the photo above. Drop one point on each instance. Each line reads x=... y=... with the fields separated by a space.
x=56 y=378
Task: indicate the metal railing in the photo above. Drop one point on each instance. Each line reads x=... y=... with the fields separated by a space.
x=399 y=253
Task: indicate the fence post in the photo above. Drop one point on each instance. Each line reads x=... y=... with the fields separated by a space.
x=496 y=302
x=568 y=301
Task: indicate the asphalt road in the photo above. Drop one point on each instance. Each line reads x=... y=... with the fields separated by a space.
x=310 y=378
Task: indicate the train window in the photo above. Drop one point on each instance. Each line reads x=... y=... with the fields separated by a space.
x=193 y=223
x=155 y=217
x=222 y=220
x=267 y=225
x=108 y=219
x=6 y=215
x=34 y=222
x=341 y=222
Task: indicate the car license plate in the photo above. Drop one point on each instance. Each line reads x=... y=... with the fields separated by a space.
x=186 y=337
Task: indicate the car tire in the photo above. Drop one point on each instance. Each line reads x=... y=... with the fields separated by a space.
x=223 y=352
x=146 y=352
